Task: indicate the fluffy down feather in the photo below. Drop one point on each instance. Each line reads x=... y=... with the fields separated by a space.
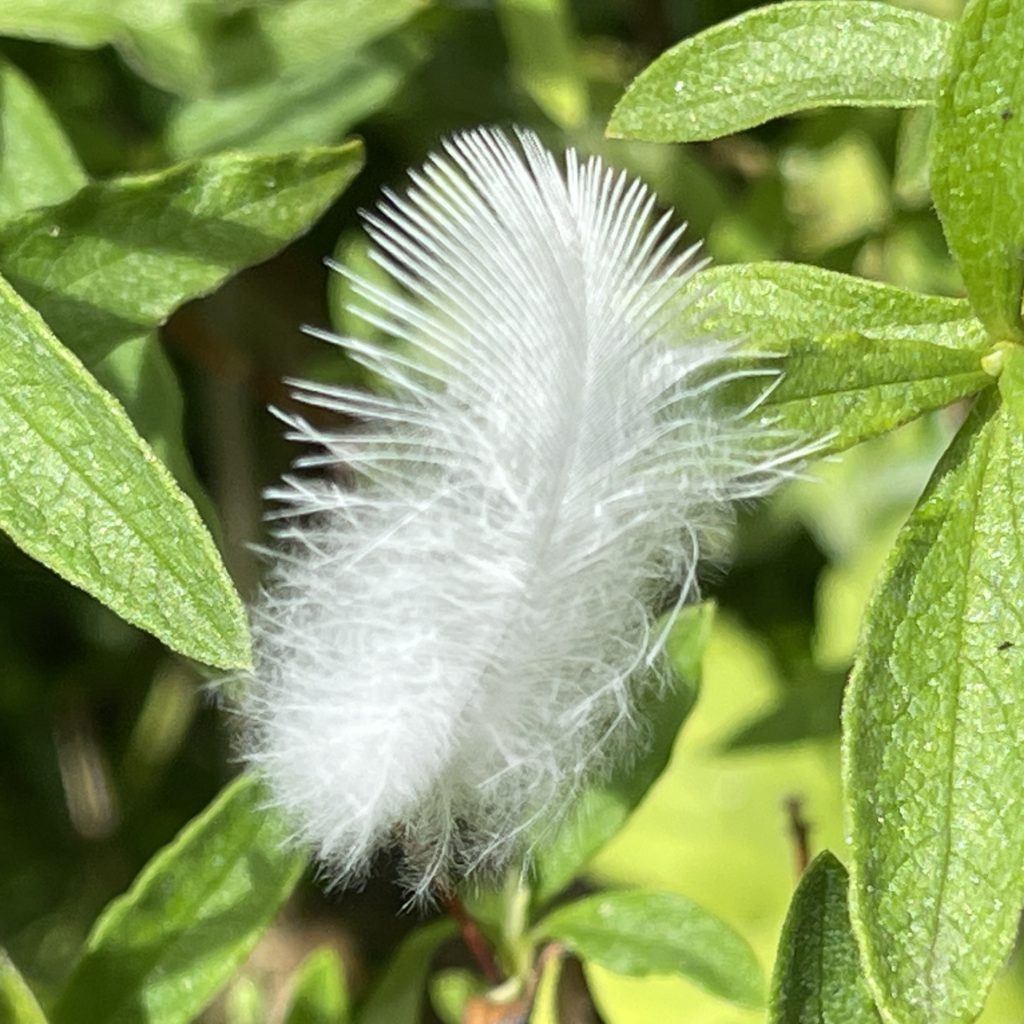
x=457 y=622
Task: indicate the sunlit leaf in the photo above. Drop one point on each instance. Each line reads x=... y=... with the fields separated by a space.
x=782 y=58
x=934 y=780
x=642 y=932
x=120 y=256
x=84 y=494
x=860 y=357
x=977 y=154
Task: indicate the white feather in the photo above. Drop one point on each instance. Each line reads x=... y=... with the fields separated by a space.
x=447 y=650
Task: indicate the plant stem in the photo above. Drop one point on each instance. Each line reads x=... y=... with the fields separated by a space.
x=474 y=938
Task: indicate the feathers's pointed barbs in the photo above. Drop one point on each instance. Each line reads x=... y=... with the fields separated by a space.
x=455 y=629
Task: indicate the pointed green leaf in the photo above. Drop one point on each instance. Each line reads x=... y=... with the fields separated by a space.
x=776 y=60
x=639 y=932
x=84 y=494
x=159 y=953
x=977 y=154
x=120 y=256
x=817 y=977
x=933 y=720
x=772 y=302
x=17 y=1003
x=38 y=167
x=398 y=995
x=602 y=810
x=860 y=357
x=319 y=995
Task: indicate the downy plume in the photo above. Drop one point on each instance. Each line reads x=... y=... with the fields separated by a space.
x=461 y=607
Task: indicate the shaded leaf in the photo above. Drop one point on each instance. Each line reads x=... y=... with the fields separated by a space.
x=319 y=995
x=139 y=373
x=817 y=977
x=37 y=164
x=314 y=105
x=932 y=726
x=977 y=153
x=776 y=60
x=398 y=995
x=543 y=58
x=83 y=493
x=194 y=47
x=808 y=709
x=159 y=953
x=642 y=932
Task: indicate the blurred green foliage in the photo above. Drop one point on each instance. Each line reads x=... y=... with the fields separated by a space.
x=109 y=744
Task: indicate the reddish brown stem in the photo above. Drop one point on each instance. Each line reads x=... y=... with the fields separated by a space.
x=799 y=831
x=475 y=941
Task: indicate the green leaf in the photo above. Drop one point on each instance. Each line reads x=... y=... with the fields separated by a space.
x=543 y=58
x=451 y=990
x=545 y=1000
x=312 y=106
x=17 y=1003
x=807 y=708
x=72 y=22
x=779 y=59
x=860 y=357
x=158 y=954
x=603 y=809
x=817 y=977
x=332 y=63
x=977 y=153
x=194 y=47
x=38 y=167
x=911 y=183
x=118 y=258
x=932 y=721
x=836 y=193
x=640 y=932
x=775 y=302
x=398 y=995
x=245 y=1003
x=170 y=42
x=319 y=995
x=139 y=373
x=304 y=32
x=83 y=493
